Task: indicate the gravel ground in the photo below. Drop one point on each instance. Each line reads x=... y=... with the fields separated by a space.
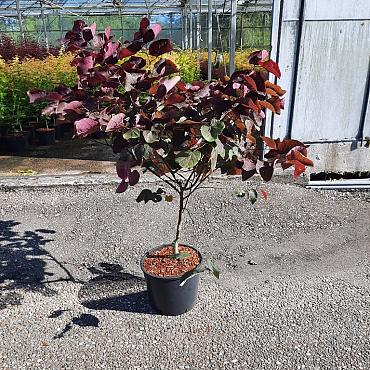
x=72 y=294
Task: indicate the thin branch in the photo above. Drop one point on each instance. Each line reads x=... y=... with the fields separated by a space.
x=168 y=166
x=195 y=180
x=199 y=183
x=191 y=217
x=164 y=180
x=177 y=172
x=169 y=178
x=189 y=179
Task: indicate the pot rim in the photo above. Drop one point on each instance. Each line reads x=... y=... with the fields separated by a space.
x=166 y=277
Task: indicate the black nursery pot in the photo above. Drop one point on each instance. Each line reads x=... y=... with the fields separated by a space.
x=59 y=132
x=165 y=293
x=4 y=130
x=46 y=136
x=16 y=143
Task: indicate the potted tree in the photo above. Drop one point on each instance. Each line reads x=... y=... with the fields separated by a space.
x=179 y=132
x=16 y=139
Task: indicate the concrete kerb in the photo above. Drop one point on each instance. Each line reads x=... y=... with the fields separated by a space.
x=88 y=179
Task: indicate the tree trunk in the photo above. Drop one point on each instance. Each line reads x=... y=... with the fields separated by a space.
x=179 y=221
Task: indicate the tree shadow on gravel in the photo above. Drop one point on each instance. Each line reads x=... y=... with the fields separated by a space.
x=114 y=289
x=23 y=262
x=84 y=320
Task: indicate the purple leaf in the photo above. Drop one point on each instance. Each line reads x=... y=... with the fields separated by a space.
x=247 y=174
x=84 y=64
x=171 y=83
x=116 y=123
x=152 y=33
x=144 y=24
x=248 y=165
x=160 y=47
x=78 y=26
x=257 y=56
x=118 y=143
x=50 y=109
x=266 y=172
x=123 y=169
x=86 y=126
x=54 y=96
x=63 y=90
x=110 y=49
x=131 y=49
x=131 y=80
x=136 y=62
x=88 y=33
x=35 y=95
x=107 y=33
x=161 y=92
x=133 y=177
x=164 y=67
x=98 y=40
x=122 y=187
x=73 y=105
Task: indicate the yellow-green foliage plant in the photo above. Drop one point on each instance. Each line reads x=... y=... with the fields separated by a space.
x=187 y=62
x=3 y=89
x=20 y=77
x=17 y=77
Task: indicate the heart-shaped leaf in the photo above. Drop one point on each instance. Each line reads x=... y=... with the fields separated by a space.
x=210 y=133
x=86 y=126
x=160 y=47
x=271 y=66
x=266 y=172
x=188 y=159
x=117 y=122
x=133 y=133
x=122 y=187
x=133 y=177
x=151 y=136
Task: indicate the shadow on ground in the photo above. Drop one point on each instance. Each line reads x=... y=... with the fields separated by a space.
x=83 y=320
x=114 y=289
x=23 y=262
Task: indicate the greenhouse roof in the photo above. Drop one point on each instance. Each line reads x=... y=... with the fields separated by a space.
x=26 y=8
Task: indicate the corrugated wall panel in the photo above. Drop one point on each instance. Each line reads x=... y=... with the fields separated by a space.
x=337 y=9
x=283 y=37
x=331 y=80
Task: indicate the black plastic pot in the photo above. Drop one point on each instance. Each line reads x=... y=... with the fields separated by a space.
x=31 y=128
x=59 y=132
x=16 y=143
x=4 y=130
x=165 y=293
x=46 y=136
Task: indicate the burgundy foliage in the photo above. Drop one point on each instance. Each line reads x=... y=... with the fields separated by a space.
x=9 y=49
x=164 y=125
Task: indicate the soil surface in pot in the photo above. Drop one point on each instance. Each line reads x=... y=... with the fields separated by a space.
x=160 y=262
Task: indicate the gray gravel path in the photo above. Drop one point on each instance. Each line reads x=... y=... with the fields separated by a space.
x=72 y=294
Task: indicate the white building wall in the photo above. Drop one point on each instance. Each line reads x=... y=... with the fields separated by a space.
x=323 y=49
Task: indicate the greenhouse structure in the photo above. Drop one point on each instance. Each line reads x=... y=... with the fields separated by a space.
x=184 y=184
x=219 y=30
